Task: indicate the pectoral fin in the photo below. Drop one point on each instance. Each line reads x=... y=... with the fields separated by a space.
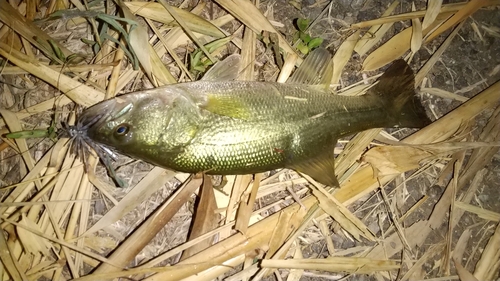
x=321 y=169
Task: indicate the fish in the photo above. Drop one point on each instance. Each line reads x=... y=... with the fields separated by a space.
x=231 y=127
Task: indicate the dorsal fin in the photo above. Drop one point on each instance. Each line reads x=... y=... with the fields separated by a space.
x=225 y=70
x=316 y=69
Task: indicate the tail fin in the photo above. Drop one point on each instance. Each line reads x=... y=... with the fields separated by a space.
x=396 y=88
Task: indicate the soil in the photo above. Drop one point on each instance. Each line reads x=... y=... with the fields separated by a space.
x=468 y=66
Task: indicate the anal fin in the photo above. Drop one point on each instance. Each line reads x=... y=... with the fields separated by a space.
x=321 y=169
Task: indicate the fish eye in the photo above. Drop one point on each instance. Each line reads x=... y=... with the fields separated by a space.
x=122 y=129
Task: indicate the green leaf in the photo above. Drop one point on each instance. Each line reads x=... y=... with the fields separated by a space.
x=129 y=53
x=75 y=58
x=315 y=42
x=57 y=51
x=214 y=45
x=199 y=68
x=302 y=24
x=102 y=34
x=303 y=48
x=305 y=37
x=196 y=58
x=111 y=20
x=28 y=134
x=88 y=42
x=207 y=62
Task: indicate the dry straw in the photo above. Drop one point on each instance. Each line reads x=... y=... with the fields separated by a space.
x=47 y=228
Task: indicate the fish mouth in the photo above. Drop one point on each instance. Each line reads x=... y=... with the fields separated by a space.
x=82 y=145
x=95 y=115
x=80 y=134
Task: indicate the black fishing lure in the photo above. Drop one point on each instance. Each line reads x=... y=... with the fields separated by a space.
x=82 y=146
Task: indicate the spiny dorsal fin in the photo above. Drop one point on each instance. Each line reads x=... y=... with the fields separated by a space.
x=316 y=69
x=225 y=70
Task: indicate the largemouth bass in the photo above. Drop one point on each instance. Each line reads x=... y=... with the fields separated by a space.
x=243 y=127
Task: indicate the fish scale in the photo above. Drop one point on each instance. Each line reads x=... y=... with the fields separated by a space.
x=244 y=127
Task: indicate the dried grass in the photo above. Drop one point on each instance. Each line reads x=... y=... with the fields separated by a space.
x=50 y=232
